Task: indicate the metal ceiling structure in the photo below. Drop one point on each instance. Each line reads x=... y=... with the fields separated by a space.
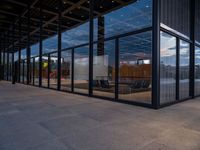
x=18 y=23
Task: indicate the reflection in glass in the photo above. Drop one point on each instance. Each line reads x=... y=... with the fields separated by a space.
x=81 y=69
x=36 y=71
x=50 y=44
x=66 y=71
x=45 y=70
x=53 y=70
x=184 y=69
x=167 y=68
x=25 y=71
x=31 y=71
x=5 y=67
x=135 y=68
x=104 y=69
x=197 y=71
x=21 y=71
x=135 y=16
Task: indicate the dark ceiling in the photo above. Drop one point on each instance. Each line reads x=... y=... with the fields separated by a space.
x=74 y=13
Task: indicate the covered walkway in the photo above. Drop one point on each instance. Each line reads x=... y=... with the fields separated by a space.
x=32 y=118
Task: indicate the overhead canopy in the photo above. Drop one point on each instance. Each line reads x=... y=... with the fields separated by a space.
x=74 y=13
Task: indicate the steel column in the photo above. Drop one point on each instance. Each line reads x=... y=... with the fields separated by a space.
x=116 y=68
x=177 y=68
x=156 y=55
x=40 y=45
x=59 y=45
x=91 y=30
x=28 y=53
x=19 y=57
x=13 y=51
x=192 y=48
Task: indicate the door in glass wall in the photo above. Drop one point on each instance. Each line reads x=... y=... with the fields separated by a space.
x=184 y=69
x=21 y=71
x=167 y=68
x=66 y=70
x=81 y=69
x=31 y=72
x=197 y=71
x=45 y=65
x=104 y=69
x=135 y=69
x=25 y=72
x=53 y=72
x=36 y=71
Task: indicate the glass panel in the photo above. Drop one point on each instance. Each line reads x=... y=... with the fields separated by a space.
x=31 y=71
x=25 y=72
x=35 y=50
x=36 y=71
x=197 y=71
x=81 y=69
x=45 y=65
x=21 y=71
x=134 y=16
x=167 y=68
x=53 y=70
x=135 y=70
x=184 y=69
x=104 y=69
x=5 y=67
x=66 y=70
x=50 y=44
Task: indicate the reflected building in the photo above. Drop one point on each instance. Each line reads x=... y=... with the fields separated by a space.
x=142 y=52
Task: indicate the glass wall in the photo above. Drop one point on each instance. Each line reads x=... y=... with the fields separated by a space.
x=104 y=69
x=81 y=69
x=36 y=71
x=135 y=16
x=5 y=67
x=197 y=71
x=66 y=70
x=135 y=69
x=53 y=69
x=167 y=68
x=50 y=44
x=45 y=65
x=184 y=69
x=21 y=71
x=35 y=50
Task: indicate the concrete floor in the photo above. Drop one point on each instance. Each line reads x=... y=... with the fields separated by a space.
x=32 y=118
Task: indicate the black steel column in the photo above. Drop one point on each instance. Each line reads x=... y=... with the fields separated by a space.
x=116 y=68
x=28 y=44
x=177 y=68
x=7 y=63
x=91 y=48
x=13 y=51
x=33 y=71
x=59 y=45
x=156 y=55
x=192 y=49
x=19 y=54
x=4 y=50
x=72 y=73
x=48 y=71
x=40 y=45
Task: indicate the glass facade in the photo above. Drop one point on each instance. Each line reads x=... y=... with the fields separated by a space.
x=167 y=68
x=184 y=69
x=135 y=68
x=112 y=54
x=66 y=70
x=197 y=71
